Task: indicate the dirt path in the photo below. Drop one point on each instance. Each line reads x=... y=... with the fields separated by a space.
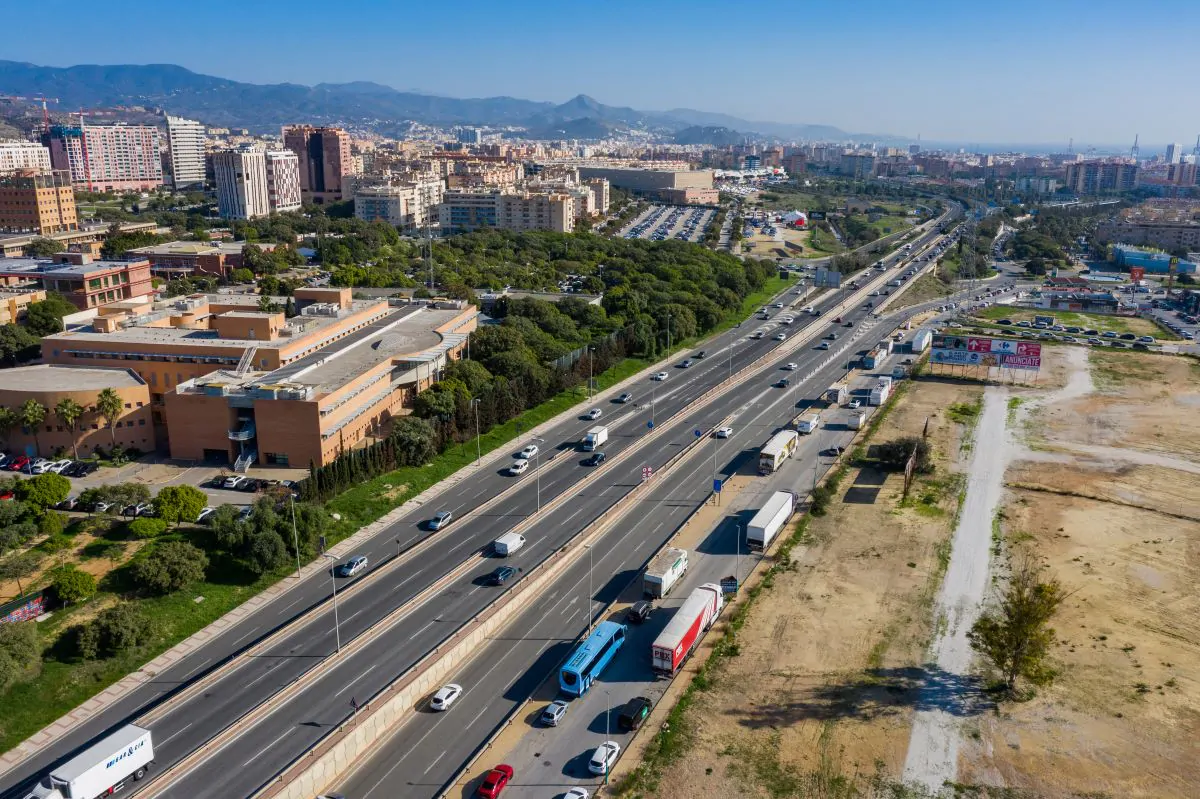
x=947 y=692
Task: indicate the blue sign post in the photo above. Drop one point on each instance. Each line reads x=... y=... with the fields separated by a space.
x=717 y=485
x=650 y=425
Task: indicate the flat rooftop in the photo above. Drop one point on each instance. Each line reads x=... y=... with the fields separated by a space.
x=39 y=267
x=197 y=248
x=57 y=377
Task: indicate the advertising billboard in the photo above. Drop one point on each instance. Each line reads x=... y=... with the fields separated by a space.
x=987 y=352
x=1136 y=273
x=994 y=345
x=827 y=278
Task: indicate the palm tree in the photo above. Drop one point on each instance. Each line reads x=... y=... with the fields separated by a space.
x=32 y=414
x=109 y=406
x=8 y=420
x=69 y=413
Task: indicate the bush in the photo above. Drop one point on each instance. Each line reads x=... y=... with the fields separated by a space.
x=175 y=504
x=44 y=490
x=145 y=528
x=170 y=567
x=893 y=455
x=265 y=551
x=51 y=524
x=822 y=495
x=72 y=585
x=20 y=652
x=115 y=630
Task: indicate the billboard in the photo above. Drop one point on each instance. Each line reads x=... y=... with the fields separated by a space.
x=1136 y=273
x=991 y=353
x=827 y=278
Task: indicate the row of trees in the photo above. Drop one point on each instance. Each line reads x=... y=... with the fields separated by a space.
x=31 y=415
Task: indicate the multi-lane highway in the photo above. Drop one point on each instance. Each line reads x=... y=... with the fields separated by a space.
x=426 y=754
x=182 y=726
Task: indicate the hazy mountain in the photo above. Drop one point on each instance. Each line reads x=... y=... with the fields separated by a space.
x=709 y=134
x=265 y=107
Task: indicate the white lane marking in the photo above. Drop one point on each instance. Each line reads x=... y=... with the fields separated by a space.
x=477 y=715
x=256 y=679
x=352 y=615
x=435 y=760
x=172 y=735
x=268 y=746
x=193 y=671
x=423 y=629
x=350 y=684
x=244 y=637
x=294 y=601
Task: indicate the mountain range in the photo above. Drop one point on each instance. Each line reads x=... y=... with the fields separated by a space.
x=265 y=107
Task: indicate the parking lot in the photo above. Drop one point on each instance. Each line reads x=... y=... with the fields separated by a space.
x=662 y=222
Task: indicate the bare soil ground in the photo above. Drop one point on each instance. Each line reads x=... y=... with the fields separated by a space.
x=1110 y=500
x=817 y=702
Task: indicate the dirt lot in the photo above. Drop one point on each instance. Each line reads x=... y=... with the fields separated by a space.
x=1101 y=322
x=1108 y=498
x=818 y=699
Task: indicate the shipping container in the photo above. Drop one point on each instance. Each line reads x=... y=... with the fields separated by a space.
x=856 y=420
x=880 y=393
x=837 y=393
x=920 y=341
x=664 y=571
x=769 y=520
x=683 y=632
x=873 y=359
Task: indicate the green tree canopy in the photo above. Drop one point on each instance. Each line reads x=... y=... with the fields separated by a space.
x=171 y=566
x=45 y=318
x=44 y=490
x=72 y=585
x=179 y=503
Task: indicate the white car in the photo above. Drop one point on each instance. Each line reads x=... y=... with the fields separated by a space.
x=781 y=336
x=519 y=466
x=528 y=452
x=576 y=793
x=604 y=757
x=854 y=403
x=791 y=367
x=58 y=466
x=445 y=697
x=233 y=481
x=593 y=414
x=724 y=432
x=661 y=376
x=204 y=513
x=40 y=466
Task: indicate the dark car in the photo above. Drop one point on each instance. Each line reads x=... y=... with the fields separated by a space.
x=634 y=713
x=833 y=452
x=250 y=485
x=700 y=355
x=501 y=575
x=1128 y=337
x=639 y=612
x=626 y=397
x=849 y=324
x=596 y=459
x=782 y=382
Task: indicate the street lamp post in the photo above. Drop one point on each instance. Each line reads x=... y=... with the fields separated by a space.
x=589 y=391
x=538 y=470
x=478 y=452
x=295 y=534
x=337 y=632
x=607 y=727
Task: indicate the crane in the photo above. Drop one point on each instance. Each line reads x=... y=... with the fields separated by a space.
x=38 y=99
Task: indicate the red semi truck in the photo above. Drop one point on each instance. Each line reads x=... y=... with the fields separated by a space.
x=679 y=637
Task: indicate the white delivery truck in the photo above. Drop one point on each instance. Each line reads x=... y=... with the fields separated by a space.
x=664 y=571
x=837 y=393
x=857 y=420
x=808 y=422
x=101 y=769
x=777 y=449
x=769 y=520
x=881 y=392
x=507 y=544
x=595 y=438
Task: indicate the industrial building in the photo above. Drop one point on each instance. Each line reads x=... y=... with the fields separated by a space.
x=1155 y=263
x=649 y=182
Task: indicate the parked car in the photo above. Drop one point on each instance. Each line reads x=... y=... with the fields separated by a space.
x=233 y=482
x=58 y=467
x=440 y=520
x=445 y=697
x=40 y=466
x=494 y=782
x=602 y=760
x=204 y=514
x=554 y=713
x=833 y=452
x=854 y=403
x=351 y=567
x=638 y=612
x=68 y=504
x=80 y=469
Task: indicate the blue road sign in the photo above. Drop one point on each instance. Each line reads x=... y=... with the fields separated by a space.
x=698 y=432
x=717 y=485
x=650 y=425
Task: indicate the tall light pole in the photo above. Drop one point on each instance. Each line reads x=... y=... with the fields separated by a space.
x=668 y=334
x=478 y=452
x=337 y=632
x=607 y=728
x=295 y=534
x=538 y=470
x=713 y=436
x=589 y=391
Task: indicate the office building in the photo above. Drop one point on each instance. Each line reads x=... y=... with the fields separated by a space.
x=470 y=136
x=1174 y=153
x=1101 y=175
x=108 y=157
x=241 y=177
x=37 y=203
x=648 y=181
x=858 y=166
x=15 y=302
x=407 y=205
x=324 y=157
x=86 y=283
x=751 y=162
x=283 y=181
x=233 y=384
x=185 y=140
x=23 y=156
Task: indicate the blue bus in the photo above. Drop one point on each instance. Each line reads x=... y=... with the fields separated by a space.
x=590 y=658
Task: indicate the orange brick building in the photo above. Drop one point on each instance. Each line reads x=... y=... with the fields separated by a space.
x=41 y=204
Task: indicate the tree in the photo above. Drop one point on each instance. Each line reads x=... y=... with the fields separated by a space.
x=31 y=414
x=42 y=247
x=72 y=585
x=44 y=490
x=1016 y=636
x=19 y=565
x=242 y=275
x=20 y=651
x=16 y=343
x=109 y=407
x=113 y=631
x=69 y=412
x=170 y=567
x=145 y=528
x=8 y=421
x=179 y=503
x=45 y=318
x=265 y=551
x=893 y=455
x=413 y=439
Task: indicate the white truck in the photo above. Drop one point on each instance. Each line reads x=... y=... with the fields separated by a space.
x=837 y=393
x=101 y=769
x=508 y=544
x=808 y=422
x=881 y=392
x=769 y=520
x=664 y=571
x=777 y=449
x=856 y=420
x=595 y=438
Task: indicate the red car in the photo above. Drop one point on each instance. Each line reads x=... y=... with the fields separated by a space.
x=18 y=463
x=495 y=781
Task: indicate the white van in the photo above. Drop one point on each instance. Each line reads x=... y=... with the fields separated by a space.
x=507 y=544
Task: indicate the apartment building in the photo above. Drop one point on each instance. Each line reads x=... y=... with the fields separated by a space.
x=108 y=157
x=858 y=166
x=324 y=157
x=185 y=140
x=463 y=212
x=241 y=177
x=283 y=181
x=37 y=203
x=1101 y=175
x=25 y=156
x=15 y=302
x=601 y=191
x=408 y=205
x=86 y=283
x=231 y=384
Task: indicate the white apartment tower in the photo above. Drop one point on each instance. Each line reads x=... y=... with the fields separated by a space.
x=185 y=139
x=283 y=180
x=241 y=177
x=1174 y=153
x=16 y=155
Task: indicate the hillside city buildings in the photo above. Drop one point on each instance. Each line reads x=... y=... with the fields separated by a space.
x=108 y=157
x=185 y=138
x=42 y=203
x=324 y=159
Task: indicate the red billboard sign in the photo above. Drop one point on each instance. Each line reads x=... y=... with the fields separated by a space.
x=1136 y=273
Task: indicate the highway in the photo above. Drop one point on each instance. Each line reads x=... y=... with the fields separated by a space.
x=269 y=745
x=426 y=753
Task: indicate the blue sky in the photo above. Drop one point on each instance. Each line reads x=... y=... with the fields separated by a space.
x=967 y=71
